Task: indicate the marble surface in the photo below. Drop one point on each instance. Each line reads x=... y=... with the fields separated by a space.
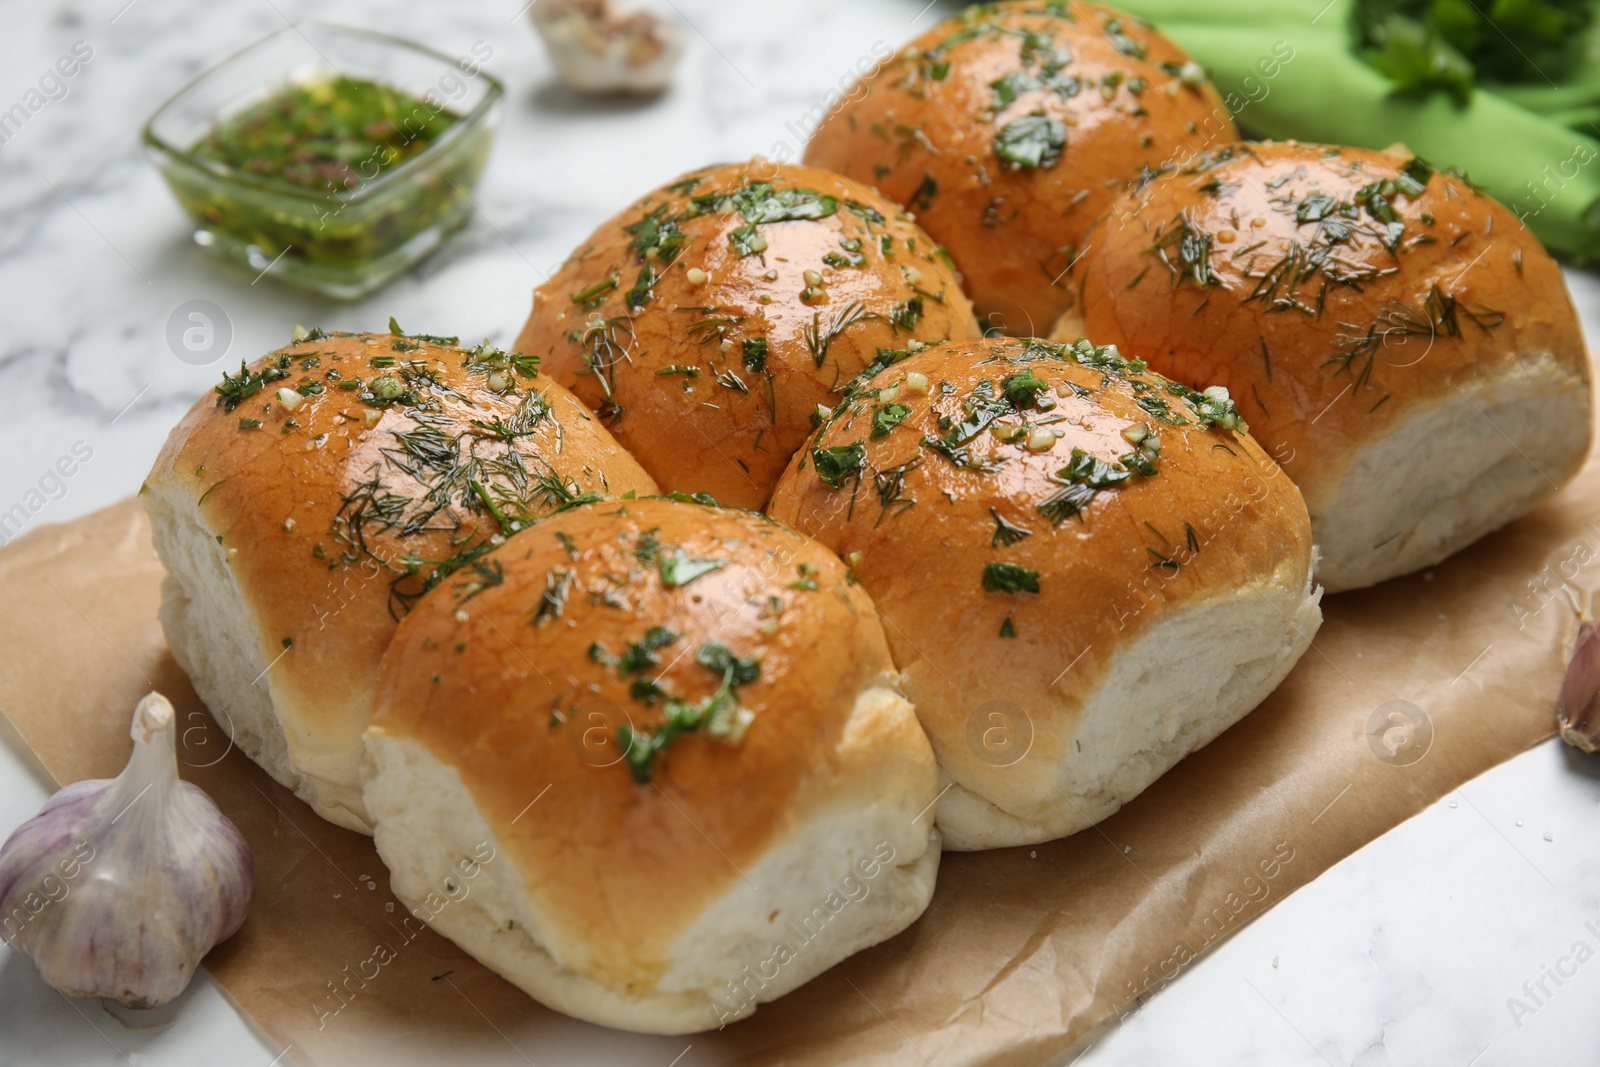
x=1409 y=952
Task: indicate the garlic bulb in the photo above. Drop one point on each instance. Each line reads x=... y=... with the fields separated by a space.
x=1578 y=714
x=119 y=886
x=596 y=50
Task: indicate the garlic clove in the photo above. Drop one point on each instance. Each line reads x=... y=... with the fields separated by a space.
x=119 y=886
x=597 y=50
x=1578 y=713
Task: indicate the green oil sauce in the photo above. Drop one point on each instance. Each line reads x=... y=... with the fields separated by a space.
x=328 y=135
x=339 y=182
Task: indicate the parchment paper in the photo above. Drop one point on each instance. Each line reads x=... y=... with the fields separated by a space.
x=1412 y=689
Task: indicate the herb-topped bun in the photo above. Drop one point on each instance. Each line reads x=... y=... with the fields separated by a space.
x=708 y=321
x=676 y=730
x=1010 y=127
x=302 y=509
x=1085 y=571
x=1400 y=343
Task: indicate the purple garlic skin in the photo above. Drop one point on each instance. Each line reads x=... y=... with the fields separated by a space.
x=1578 y=714
x=120 y=886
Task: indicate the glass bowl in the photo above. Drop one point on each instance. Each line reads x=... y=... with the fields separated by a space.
x=341 y=243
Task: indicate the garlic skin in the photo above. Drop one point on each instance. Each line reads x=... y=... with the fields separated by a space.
x=119 y=886
x=597 y=50
x=1578 y=714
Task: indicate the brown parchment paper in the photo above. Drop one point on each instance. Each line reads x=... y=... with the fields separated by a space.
x=1017 y=957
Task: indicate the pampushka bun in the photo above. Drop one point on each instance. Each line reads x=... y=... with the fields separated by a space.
x=706 y=322
x=1008 y=129
x=1085 y=571
x=305 y=506
x=1401 y=344
x=675 y=733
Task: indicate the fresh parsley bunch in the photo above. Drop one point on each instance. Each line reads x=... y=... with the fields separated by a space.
x=1423 y=45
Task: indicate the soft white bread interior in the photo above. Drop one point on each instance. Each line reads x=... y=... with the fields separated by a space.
x=1187 y=677
x=1085 y=571
x=301 y=508
x=1400 y=343
x=1454 y=470
x=218 y=645
x=839 y=881
x=663 y=886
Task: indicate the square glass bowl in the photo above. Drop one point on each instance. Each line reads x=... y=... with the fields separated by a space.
x=341 y=243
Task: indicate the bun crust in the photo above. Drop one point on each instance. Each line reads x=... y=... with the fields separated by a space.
x=294 y=539
x=924 y=128
x=1053 y=655
x=638 y=900
x=693 y=328
x=1420 y=397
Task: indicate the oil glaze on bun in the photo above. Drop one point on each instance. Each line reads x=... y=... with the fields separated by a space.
x=1399 y=341
x=644 y=875
x=1010 y=128
x=706 y=322
x=1085 y=571
x=302 y=509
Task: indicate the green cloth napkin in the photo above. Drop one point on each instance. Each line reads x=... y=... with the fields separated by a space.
x=1547 y=172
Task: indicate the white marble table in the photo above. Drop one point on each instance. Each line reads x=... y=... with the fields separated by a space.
x=1406 y=953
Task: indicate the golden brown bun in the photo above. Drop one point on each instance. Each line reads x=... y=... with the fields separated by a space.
x=1419 y=397
x=729 y=429
x=1060 y=662
x=643 y=898
x=317 y=528
x=929 y=141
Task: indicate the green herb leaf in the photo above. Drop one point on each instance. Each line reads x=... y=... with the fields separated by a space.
x=904 y=316
x=1013 y=85
x=982 y=407
x=1157 y=406
x=646 y=691
x=759 y=202
x=1022 y=389
x=597 y=290
x=1139 y=463
x=755 y=353
x=1216 y=408
x=648 y=549
x=747 y=241
x=1032 y=141
x=1006 y=532
x=887 y=418
x=679 y=570
x=1009 y=578
x=839 y=462
x=717 y=657
x=643 y=288
x=1087 y=470
x=1122 y=42
x=871 y=214
x=432 y=338
x=1185 y=248
x=1066 y=502
x=718 y=714
x=236 y=390
x=704 y=499
x=1412 y=55
x=553 y=601
x=640 y=655
x=656 y=236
